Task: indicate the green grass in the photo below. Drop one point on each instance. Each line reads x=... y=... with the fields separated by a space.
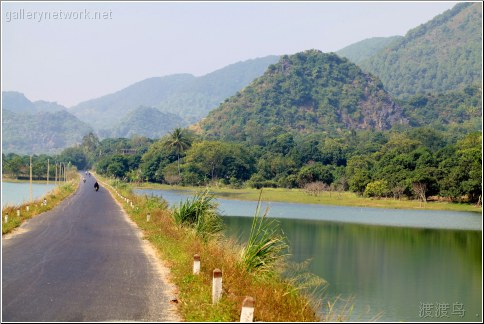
x=334 y=198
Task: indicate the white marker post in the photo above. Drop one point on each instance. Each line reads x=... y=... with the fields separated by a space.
x=148 y=217
x=18 y=212
x=6 y=219
x=27 y=208
x=196 y=264
x=247 y=313
x=216 y=286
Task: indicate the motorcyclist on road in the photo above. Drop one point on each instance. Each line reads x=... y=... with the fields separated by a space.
x=96 y=186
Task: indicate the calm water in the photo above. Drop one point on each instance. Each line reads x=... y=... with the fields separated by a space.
x=18 y=193
x=413 y=266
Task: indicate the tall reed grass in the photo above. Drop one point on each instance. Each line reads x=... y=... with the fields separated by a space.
x=267 y=245
x=200 y=214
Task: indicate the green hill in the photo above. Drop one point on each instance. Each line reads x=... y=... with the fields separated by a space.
x=303 y=93
x=107 y=111
x=185 y=95
x=441 y=55
x=16 y=102
x=147 y=122
x=43 y=132
x=366 y=48
x=452 y=107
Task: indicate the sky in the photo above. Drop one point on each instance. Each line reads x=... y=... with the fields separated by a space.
x=69 y=52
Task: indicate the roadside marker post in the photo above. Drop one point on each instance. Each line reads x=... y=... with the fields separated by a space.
x=216 y=286
x=196 y=264
x=247 y=313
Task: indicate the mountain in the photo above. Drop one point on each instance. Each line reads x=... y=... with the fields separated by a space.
x=441 y=55
x=47 y=106
x=148 y=122
x=16 y=102
x=453 y=107
x=366 y=48
x=185 y=95
x=107 y=111
x=38 y=127
x=205 y=93
x=303 y=93
x=45 y=132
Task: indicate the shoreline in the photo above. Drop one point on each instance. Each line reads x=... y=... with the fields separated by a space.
x=346 y=199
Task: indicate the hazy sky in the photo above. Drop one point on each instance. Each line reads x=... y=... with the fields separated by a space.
x=75 y=51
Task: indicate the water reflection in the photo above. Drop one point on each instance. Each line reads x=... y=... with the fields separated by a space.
x=19 y=193
x=424 y=258
x=388 y=269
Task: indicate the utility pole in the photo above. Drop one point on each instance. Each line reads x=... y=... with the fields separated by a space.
x=48 y=169
x=55 y=173
x=30 y=179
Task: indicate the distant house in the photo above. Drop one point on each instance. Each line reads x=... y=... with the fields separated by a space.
x=128 y=151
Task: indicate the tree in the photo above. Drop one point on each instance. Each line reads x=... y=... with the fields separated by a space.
x=75 y=155
x=315 y=172
x=220 y=160
x=12 y=163
x=90 y=144
x=180 y=141
x=115 y=165
x=420 y=189
x=378 y=188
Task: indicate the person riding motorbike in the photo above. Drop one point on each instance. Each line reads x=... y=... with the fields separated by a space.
x=96 y=186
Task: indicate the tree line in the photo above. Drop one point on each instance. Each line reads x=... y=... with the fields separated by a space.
x=416 y=163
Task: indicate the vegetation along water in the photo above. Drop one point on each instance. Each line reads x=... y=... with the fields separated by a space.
x=388 y=273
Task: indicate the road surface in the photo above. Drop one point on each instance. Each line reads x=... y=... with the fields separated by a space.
x=83 y=261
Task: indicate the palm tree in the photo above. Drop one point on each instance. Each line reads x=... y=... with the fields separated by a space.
x=180 y=141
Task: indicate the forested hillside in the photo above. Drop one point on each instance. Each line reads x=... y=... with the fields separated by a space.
x=146 y=121
x=185 y=95
x=38 y=127
x=441 y=55
x=304 y=93
x=366 y=48
x=456 y=107
x=43 y=132
x=109 y=110
x=17 y=102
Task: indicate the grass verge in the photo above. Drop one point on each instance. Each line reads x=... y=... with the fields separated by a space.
x=276 y=299
x=18 y=214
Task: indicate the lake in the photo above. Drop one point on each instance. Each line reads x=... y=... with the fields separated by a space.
x=396 y=265
x=17 y=193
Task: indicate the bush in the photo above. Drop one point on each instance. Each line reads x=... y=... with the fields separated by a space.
x=267 y=244
x=377 y=188
x=200 y=214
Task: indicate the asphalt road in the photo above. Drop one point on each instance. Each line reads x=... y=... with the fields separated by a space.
x=82 y=261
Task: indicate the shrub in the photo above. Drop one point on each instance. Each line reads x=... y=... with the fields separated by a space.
x=267 y=244
x=200 y=214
